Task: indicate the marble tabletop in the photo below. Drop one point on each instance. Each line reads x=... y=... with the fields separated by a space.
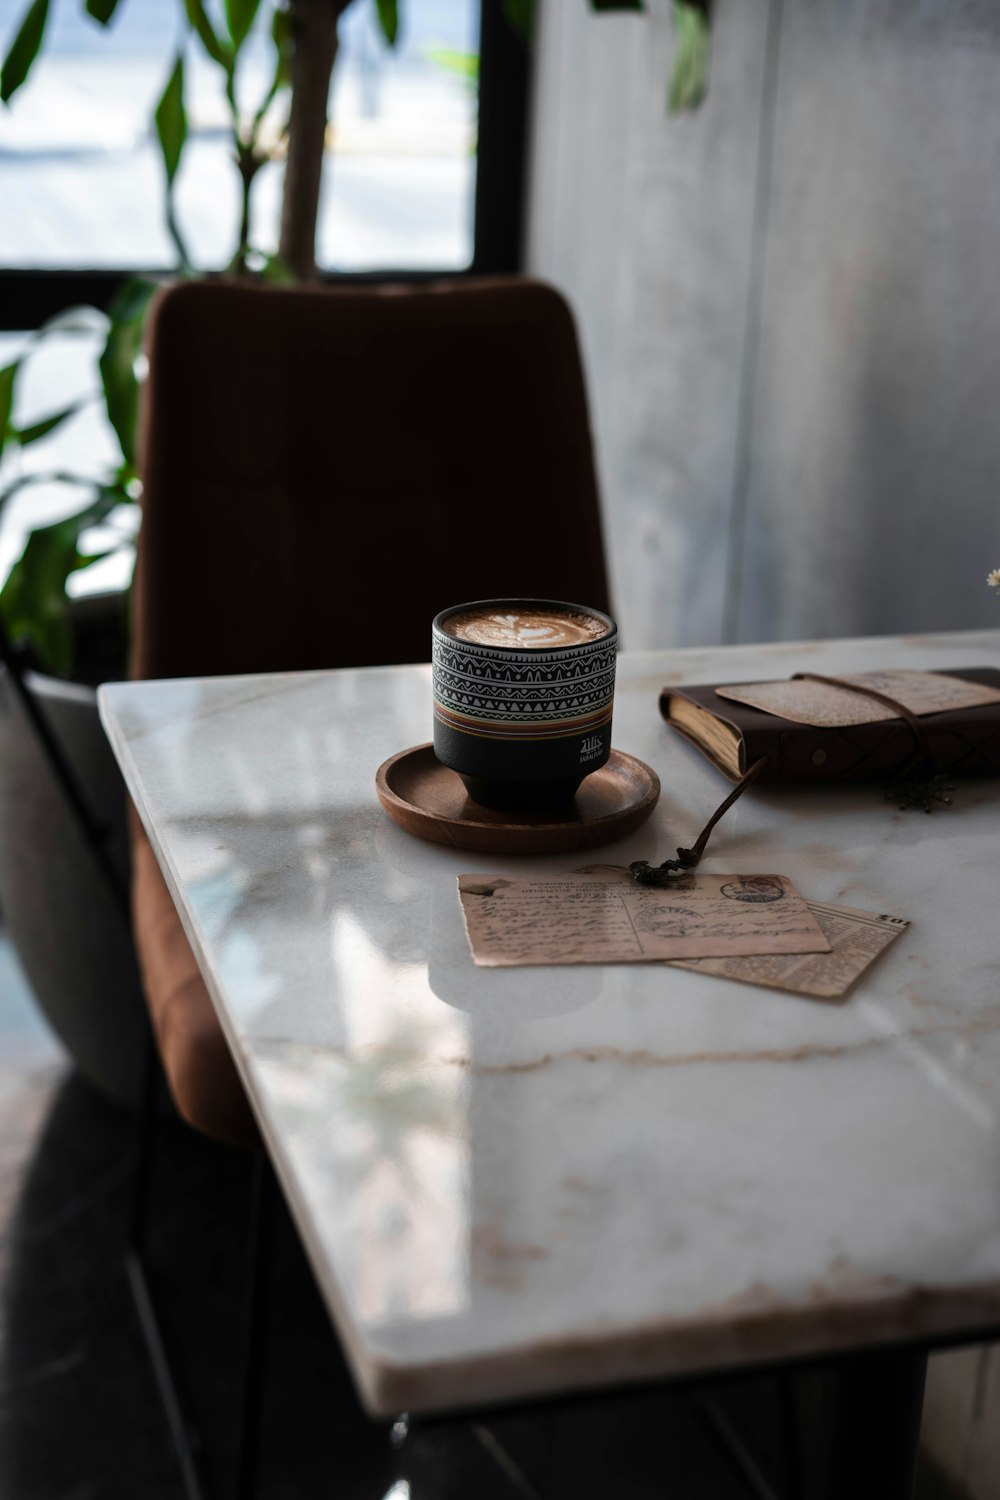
x=511 y=1182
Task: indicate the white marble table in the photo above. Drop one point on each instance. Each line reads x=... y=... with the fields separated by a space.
x=514 y=1182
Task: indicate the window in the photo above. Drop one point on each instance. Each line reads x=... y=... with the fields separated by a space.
x=80 y=171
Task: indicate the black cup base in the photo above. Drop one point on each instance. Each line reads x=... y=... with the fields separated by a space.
x=522 y=796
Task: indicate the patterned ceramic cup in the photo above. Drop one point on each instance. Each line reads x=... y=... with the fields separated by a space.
x=523 y=693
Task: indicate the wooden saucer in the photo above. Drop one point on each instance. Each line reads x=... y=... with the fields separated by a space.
x=425 y=798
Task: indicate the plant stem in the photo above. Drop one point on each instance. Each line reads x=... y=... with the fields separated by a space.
x=174 y=231
x=248 y=164
x=314 y=34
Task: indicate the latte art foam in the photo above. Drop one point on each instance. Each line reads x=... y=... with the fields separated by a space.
x=525 y=630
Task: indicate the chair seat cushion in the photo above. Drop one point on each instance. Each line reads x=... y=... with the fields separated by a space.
x=196 y=1059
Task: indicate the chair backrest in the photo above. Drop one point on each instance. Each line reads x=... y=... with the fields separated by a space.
x=324 y=470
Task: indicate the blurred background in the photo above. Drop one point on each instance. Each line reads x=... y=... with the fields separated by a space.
x=785 y=296
x=787 y=300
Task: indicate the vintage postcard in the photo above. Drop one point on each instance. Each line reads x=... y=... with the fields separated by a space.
x=856 y=940
x=589 y=918
x=828 y=707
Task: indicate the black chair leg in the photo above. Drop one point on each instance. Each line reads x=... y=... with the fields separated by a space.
x=256 y=1326
x=729 y=1442
x=183 y=1433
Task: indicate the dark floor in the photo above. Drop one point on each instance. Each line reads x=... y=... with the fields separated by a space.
x=79 y=1415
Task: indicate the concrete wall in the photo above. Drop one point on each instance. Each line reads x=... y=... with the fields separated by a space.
x=789 y=304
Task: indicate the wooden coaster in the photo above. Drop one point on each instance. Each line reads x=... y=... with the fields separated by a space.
x=425 y=798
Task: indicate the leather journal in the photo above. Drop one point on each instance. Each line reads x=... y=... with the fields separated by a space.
x=911 y=730
x=961 y=741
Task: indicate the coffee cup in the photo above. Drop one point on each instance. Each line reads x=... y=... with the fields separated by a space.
x=523 y=694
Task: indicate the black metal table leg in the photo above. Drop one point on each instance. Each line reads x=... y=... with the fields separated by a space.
x=256 y=1311
x=872 y=1410
x=792 y=1440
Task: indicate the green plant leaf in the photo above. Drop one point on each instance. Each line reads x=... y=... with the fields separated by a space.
x=275 y=270
x=24 y=480
x=33 y=600
x=689 y=74
x=464 y=65
x=7 y=377
x=218 y=51
x=112 y=494
x=117 y=364
x=171 y=119
x=281 y=36
x=28 y=435
x=388 y=18
x=33 y=605
x=240 y=16
x=520 y=16
x=23 y=49
x=101 y=10
x=126 y=480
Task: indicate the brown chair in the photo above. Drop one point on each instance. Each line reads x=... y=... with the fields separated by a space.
x=322 y=472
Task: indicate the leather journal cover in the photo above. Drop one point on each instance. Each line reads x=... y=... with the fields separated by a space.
x=963 y=742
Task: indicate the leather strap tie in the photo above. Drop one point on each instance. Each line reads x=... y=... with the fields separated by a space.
x=647 y=874
x=919 y=732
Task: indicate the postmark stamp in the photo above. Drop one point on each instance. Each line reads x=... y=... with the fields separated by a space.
x=754 y=889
